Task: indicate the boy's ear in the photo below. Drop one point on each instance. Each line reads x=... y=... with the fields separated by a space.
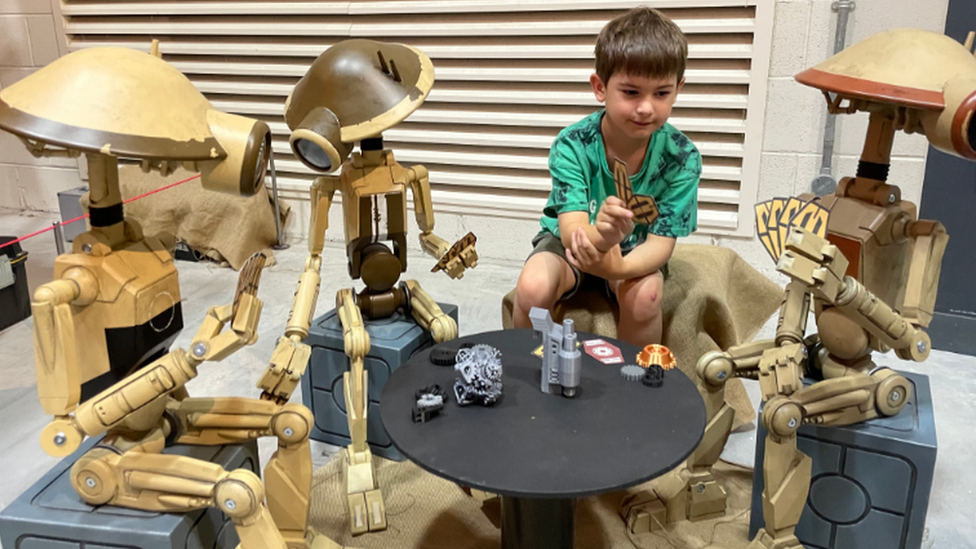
x=599 y=88
x=680 y=85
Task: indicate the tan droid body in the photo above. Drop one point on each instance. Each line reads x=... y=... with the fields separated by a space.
x=104 y=325
x=871 y=281
x=352 y=93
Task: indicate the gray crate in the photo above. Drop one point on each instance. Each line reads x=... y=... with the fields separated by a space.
x=871 y=481
x=51 y=515
x=70 y=209
x=392 y=342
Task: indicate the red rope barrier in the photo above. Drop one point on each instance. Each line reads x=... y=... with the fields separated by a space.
x=80 y=217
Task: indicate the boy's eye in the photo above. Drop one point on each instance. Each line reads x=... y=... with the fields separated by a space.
x=630 y=92
x=663 y=94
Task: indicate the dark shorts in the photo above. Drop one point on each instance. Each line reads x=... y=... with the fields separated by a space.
x=547 y=242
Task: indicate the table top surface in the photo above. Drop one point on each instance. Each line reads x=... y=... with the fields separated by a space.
x=612 y=435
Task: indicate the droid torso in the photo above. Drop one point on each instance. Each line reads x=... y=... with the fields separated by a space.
x=374 y=207
x=134 y=317
x=872 y=238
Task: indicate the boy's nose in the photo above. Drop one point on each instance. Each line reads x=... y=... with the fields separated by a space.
x=645 y=108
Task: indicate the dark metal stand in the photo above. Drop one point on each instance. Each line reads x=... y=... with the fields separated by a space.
x=529 y=523
x=279 y=233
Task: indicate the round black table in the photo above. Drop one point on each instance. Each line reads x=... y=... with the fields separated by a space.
x=540 y=451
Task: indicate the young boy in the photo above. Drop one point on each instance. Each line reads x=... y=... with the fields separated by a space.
x=586 y=229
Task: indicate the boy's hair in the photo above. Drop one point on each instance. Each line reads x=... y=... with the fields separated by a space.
x=641 y=42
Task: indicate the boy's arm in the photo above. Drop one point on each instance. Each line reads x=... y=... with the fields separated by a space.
x=650 y=256
x=643 y=260
x=569 y=201
x=570 y=221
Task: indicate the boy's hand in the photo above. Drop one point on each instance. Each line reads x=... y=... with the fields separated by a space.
x=583 y=255
x=614 y=222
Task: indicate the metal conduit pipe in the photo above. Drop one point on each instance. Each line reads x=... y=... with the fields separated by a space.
x=825 y=183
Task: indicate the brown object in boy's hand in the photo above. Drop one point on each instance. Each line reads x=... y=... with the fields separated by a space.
x=644 y=208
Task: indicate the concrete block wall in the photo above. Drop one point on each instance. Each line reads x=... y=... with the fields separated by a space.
x=29 y=40
x=803 y=35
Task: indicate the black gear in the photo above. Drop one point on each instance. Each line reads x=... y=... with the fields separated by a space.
x=653 y=376
x=443 y=356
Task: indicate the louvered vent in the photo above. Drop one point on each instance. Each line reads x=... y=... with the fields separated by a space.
x=510 y=74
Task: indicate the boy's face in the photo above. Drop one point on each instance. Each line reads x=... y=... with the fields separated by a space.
x=636 y=105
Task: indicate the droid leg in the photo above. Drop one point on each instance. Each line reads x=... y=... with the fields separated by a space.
x=367 y=513
x=691 y=492
x=833 y=402
x=168 y=483
x=288 y=475
x=429 y=315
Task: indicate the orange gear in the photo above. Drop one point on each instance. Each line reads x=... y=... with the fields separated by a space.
x=656 y=354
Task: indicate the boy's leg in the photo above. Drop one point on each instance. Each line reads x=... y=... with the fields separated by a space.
x=545 y=278
x=640 y=308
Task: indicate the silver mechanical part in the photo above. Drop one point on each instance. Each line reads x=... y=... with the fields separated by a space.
x=631 y=372
x=87 y=248
x=230 y=504
x=60 y=439
x=479 y=375
x=921 y=346
x=430 y=400
x=721 y=375
x=289 y=432
x=90 y=482
x=792 y=423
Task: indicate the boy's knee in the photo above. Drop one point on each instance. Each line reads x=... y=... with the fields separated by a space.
x=644 y=302
x=534 y=289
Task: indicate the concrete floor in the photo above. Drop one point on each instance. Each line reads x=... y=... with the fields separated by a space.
x=953 y=377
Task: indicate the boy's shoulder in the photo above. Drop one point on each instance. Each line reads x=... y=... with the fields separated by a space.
x=584 y=132
x=677 y=148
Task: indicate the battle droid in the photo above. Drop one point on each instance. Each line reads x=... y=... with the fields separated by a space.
x=104 y=325
x=352 y=93
x=869 y=269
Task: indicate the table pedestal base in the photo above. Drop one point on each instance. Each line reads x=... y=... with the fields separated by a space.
x=537 y=523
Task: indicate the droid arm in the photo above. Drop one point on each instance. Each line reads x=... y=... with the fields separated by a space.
x=452 y=259
x=290 y=357
x=820 y=266
x=930 y=241
x=55 y=351
x=419 y=181
x=167 y=374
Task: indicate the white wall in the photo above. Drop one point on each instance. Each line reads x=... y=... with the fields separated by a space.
x=28 y=41
x=802 y=37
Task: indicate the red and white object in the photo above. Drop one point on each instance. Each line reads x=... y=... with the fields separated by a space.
x=603 y=351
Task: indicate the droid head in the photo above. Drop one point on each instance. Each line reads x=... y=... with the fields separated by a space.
x=355 y=90
x=124 y=103
x=930 y=77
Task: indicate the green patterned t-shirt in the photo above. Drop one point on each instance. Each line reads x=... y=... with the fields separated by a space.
x=582 y=180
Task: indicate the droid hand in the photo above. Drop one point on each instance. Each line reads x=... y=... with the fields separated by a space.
x=461 y=256
x=288 y=363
